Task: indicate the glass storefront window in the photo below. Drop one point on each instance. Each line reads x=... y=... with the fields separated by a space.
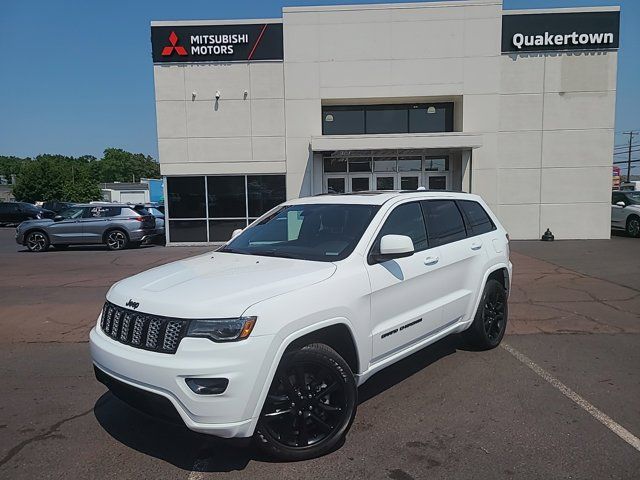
x=337 y=165
x=231 y=200
x=188 y=230
x=436 y=164
x=226 y=196
x=336 y=185
x=426 y=118
x=384 y=183
x=221 y=230
x=265 y=192
x=386 y=119
x=186 y=197
x=381 y=119
x=384 y=164
x=359 y=164
x=410 y=164
x=341 y=120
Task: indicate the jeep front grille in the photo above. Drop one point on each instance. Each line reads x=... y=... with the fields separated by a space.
x=142 y=330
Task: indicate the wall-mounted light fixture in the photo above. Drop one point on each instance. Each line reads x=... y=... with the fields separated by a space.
x=245 y=94
x=328 y=118
x=431 y=109
x=217 y=94
x=193 y=95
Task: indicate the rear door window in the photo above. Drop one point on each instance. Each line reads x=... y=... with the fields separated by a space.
x=405 y=219
x=478 y=221
x=444 y=222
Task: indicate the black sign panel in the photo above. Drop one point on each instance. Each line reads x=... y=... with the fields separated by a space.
x=536 y=32
x=217 y=43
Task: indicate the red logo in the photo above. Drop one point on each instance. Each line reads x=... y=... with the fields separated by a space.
x=168 y=50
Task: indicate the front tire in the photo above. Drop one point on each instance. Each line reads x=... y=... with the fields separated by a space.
x=116 y=240
x=37 y=241
x=490 y=322
x=310 y=406
x=633 y=226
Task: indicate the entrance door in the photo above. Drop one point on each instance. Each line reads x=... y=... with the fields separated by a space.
x=409 y=181
x=360 y=183
x=335 y=184
x=385 y=181
x=437 y=181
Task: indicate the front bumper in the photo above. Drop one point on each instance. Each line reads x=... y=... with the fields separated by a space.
x=230 y=414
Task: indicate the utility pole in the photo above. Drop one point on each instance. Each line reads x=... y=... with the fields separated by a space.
x=630 y=133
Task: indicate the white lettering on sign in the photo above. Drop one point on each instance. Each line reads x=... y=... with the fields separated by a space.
x=520 y=40
x=217 y=44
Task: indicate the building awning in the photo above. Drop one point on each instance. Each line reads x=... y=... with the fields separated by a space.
x=449 y=140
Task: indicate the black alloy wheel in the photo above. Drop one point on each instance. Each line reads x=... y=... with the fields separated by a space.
x=310 y=405
x=490 y=322
x=37 y=242
x=633 y=226
x=117 y=240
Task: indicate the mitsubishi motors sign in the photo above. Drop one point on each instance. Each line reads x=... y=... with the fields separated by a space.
x=216 y=43
x=537 y=32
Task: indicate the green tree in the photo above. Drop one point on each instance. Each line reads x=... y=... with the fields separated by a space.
x=118 y=165
x=56 y=177
x=10 y=165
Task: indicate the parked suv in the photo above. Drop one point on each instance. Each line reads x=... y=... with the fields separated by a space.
x=16 y=212
x=117 y=226
x=625 y=212
x=270 y=335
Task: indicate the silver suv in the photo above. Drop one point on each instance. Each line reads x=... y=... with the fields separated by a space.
x=117 y=226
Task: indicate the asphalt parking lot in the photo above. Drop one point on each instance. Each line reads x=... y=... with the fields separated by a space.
x=547 y=404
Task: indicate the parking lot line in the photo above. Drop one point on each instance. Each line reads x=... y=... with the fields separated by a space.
x=602 y=417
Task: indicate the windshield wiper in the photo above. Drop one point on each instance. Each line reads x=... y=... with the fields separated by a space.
x=275 y=253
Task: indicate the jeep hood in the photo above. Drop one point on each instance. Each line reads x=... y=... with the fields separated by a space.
x=216 y=285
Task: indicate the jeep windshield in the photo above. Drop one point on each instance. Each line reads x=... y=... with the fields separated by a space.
x=318 y=232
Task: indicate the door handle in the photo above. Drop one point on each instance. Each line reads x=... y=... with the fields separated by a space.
x=431 y=260
x=476 y=246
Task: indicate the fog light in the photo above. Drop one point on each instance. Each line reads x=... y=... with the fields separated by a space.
x=207 y=386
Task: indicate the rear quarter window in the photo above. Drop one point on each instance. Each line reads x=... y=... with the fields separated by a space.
x=478 y=220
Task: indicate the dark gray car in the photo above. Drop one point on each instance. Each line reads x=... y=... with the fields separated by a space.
x=117 y=226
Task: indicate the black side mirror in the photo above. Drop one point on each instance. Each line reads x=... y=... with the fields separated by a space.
x=57 y=218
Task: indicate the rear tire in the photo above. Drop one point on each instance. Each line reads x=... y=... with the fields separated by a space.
x=116 y=240
x=633 y=226
x=310 y=406
x=37 y=241
x=490 y=323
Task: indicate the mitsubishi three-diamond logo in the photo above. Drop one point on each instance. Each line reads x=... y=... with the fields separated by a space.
x=168 y=50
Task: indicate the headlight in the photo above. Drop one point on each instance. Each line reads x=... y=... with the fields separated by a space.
x=222 y=329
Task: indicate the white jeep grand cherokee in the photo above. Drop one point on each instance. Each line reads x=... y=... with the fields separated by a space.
x=270 y=335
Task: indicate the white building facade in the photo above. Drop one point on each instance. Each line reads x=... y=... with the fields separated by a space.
x=516 y=106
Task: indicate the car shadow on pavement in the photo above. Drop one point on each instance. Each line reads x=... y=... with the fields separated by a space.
x=190 y=450
x=172 y=443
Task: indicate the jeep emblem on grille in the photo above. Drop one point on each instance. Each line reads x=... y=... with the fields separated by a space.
x=132 y=304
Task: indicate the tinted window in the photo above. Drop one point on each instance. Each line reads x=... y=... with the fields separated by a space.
x=436 y=117
x=188 y=230
x=104 y=211
x=226 y=196
x=444 y=222
x=4 y=207
x=186 y=197
x=478 y=220
x=342 y=120
x=387 y=119
x=406 y=220
x=221 y=230
x=265 y=192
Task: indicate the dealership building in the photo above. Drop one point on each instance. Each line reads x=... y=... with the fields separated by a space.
x=516 y=106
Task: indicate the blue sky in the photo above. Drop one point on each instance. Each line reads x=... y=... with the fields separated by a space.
x=77 y=75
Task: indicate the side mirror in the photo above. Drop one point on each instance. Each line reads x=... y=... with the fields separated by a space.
x=235 y=233
x=621 y=204
x=395 y=246
x=57 y=218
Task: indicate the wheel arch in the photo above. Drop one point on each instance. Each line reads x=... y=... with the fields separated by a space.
x=35 y=229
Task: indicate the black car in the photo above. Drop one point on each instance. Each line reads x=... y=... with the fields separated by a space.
x=56 y=206
x=16 y=212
